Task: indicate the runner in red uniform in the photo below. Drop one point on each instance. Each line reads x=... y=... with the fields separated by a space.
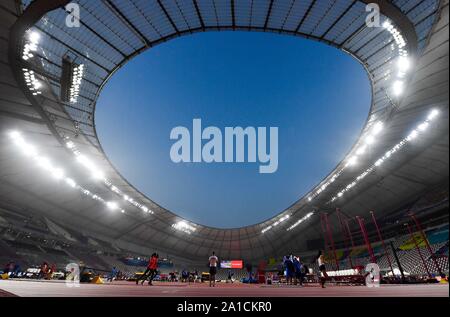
x=150 y=272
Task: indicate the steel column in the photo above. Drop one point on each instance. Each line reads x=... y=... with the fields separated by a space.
x=382 y=242
x=418 y=249
x=366 y=239
x=397 y=260
x=322 y=223
x=419 y=227
x=351 y=239
x=330 y=237
x=338 y=211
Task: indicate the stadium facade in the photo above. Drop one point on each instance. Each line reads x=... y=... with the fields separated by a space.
x=52 y=74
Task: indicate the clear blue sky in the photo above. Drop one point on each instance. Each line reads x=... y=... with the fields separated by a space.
x=318 y=96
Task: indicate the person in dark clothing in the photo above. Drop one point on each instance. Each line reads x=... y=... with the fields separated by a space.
x=305 y=270
x=112 y=275
x=230 y=277
x=150 y=272
x=184 y=276
x=290 y=269
x=44 y=271
x=298 y=271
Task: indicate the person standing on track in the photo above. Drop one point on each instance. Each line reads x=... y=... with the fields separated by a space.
x=298 y=271
x=150 y=272
x=213 y=261
x=112 y=275
x=289 y=269
x=323 y=276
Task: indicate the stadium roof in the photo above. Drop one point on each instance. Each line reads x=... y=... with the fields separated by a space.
x=406 y=60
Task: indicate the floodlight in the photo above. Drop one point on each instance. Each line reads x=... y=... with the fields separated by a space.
x=112 y=205
x=34 y=37
x=361 y=150
x=58 y=173
x=434 y=113
x=424 y=126
x=403 y=63
x=398 y=87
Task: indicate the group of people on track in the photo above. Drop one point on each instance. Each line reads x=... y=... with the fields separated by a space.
x=296 y=271
x=293 y=267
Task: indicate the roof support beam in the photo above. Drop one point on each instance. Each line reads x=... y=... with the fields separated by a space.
x=73 y=49
x=113 y=8
x=233 y=13
x=369 y=41
x=168 y=16
x=199 y=15
x=339 y=19
x=97 y=34
x=269 y=12
x=377 y=51
x=352 y=36
x=305 y=16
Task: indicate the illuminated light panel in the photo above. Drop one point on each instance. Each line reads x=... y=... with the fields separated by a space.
x=77 y=78
x=361 y=150
x=353 y=160
x=56 y=172
x=99 y=175
x=31 y=45
x=183 y=226
x=403 y=62
x=276 y=223
x=398 y=87
x=32 y=83
x=433 y=114
x=112 y=205
x=34 y=37
x=309 y=215
x=369 y=140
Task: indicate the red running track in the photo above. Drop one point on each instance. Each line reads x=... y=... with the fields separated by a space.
x=128 y=289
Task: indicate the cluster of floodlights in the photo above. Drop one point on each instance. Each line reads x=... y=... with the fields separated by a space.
x=77 y=77
x=33 y=84
x=276 y=223
x=30 y=46
x=403 y=65
x=421 y=128
x=99 y=175
x=56 y=172
x=403 y=62
x=183 y=226
x=309 y=215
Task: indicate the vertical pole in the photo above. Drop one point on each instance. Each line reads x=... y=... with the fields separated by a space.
x=433 y=257
x=366 y=239
x=351 y=239
x=330 y=236
x=382 y=242
x=338 y=211
x=322 y=222
x=398 y=261
x=418 y=249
